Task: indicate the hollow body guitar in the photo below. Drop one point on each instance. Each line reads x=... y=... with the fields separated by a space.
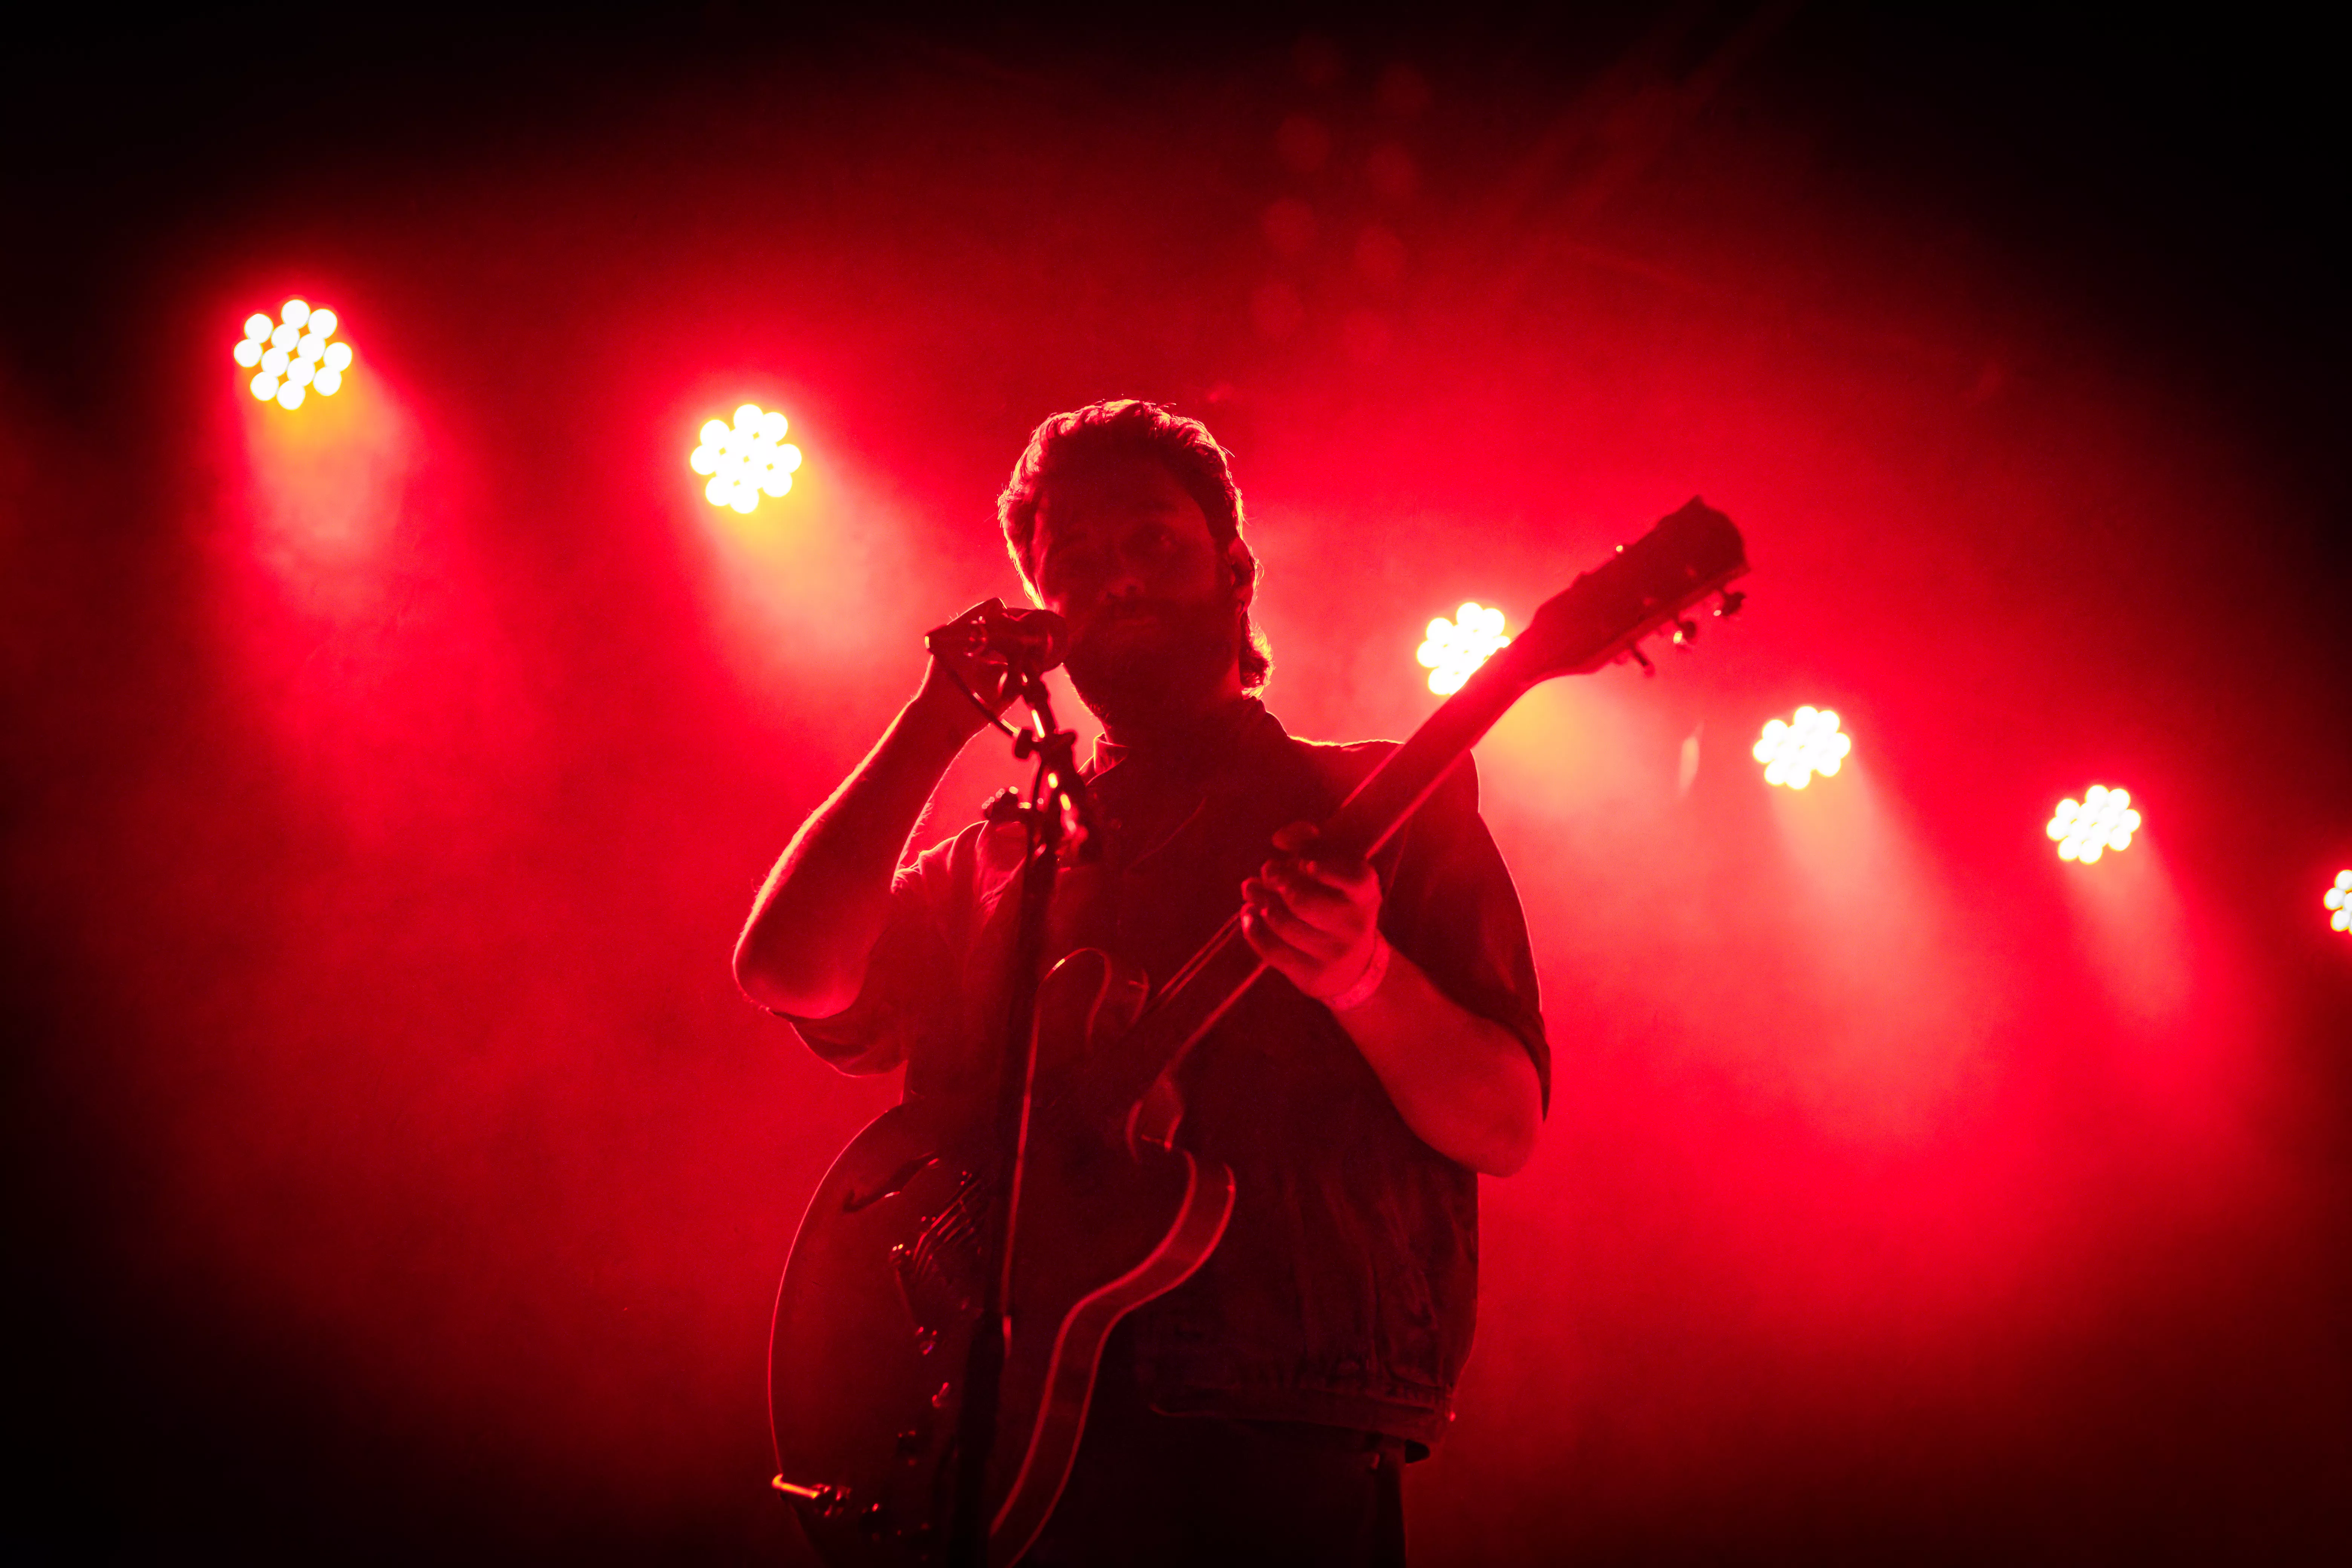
x=877 y=1304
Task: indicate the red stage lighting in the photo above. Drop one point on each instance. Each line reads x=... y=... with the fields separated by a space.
x=746 y=460
x=1793 y=750
x=1456 y=647
x=292 y=353
x=2087 y=828
x=2339 y=898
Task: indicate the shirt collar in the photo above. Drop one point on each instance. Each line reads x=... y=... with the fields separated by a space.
x=1198 y=748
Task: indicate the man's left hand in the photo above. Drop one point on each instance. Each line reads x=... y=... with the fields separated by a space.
x=1314 y=917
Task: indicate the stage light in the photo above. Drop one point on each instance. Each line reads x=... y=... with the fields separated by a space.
x=2087 y=828
x=746 y=460
x=2339 y=898
x=1456 y=647
x=1793 y=750
x=291 y=356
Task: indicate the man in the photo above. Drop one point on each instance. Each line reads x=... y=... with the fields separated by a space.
x=1262 y=1409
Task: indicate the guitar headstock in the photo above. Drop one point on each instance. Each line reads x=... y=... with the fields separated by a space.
x=1645 y=587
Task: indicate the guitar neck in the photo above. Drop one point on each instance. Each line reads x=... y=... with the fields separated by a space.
x=1640 y=589
x=1192 y=1000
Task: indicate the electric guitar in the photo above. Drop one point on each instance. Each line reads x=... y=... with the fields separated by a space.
x=877 y=1304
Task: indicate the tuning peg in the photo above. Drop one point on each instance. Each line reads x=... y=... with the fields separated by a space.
x=1685 y=634
x=1729 y=603
x=1638 y=657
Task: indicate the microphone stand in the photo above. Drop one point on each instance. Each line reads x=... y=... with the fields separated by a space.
x=1056 y=795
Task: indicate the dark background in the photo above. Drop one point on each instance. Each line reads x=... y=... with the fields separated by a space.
x=394 y=1173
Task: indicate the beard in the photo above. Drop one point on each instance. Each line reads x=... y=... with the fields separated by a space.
x=1155 y=662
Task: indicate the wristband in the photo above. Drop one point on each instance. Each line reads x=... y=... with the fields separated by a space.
x=1375 y=971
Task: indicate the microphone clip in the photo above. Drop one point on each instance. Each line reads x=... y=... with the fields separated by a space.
x=1029 y=642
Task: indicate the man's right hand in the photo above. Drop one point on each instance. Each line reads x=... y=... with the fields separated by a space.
x=985 y=674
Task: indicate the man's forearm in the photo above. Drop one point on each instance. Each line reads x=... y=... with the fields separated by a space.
x=814 y=926
x=1464 y=1083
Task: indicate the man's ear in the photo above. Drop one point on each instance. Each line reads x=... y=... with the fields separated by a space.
x=1243 y=566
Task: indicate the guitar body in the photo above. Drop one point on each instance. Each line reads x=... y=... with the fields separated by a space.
x=876 y=1307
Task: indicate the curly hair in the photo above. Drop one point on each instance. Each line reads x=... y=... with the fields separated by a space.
x=1130 y=426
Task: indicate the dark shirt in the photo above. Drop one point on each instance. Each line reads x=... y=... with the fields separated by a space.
x=1344 y=1292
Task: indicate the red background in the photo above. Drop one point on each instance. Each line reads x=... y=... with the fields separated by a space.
x=397 y=1170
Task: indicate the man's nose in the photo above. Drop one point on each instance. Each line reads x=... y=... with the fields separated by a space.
x=1126 y=580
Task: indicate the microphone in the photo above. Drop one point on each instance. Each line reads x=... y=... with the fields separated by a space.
x=1031 y=640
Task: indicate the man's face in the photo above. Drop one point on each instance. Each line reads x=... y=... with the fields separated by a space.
x=1125 y=555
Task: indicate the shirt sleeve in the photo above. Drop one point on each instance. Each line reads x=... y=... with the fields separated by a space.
x=903 y=998
x=1448 y=904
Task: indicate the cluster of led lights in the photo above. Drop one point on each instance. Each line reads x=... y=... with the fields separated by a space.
x=291 y=355
x=295 y=354
x=746 y=460
x=1809 y=744
x=1455 y=649
x=2087 y=828
x=1793 y=750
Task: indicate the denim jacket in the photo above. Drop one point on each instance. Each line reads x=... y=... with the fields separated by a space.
x=1344 y=1292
